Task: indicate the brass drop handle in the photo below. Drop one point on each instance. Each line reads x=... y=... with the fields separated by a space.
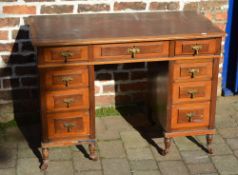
x=193 y=72
x=66 y=55
x=190 y=116
x=133 y=51
x=68 y=101
x=66 y=80
x=69 y=126
x=196 y=49
x=192 y=93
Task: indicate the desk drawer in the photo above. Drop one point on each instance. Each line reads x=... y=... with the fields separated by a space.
x=192 y=115
x=195 y=47
x=67 y=100
x=132 y=50
x=192 y=70
x=64 y=78
x=53 y=55
x=192 y=91
x=73 y=124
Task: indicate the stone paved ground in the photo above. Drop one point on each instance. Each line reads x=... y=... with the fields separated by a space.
x=124 y=150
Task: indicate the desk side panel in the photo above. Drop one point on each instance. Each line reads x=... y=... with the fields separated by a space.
x=159 y=88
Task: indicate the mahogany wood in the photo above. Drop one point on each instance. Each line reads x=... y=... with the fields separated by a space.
x=120 y=51
x=190 y=92
x=63 y=54
x=182 y=50
x=67 y=100
x=206 y=47
x=58 y=123
x=65 y=78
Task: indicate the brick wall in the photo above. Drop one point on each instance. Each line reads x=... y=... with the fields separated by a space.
x=114 y=84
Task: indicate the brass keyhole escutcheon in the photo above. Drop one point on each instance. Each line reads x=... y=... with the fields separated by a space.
x=133 y=51
x=196 y=49
x=66 y=80
x=192 y=93
x=68 y=101
x=66 y=55
x=193 y=72
x=69 y=126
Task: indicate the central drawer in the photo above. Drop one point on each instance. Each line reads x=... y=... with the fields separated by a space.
x=131 y=50
x=67 y=100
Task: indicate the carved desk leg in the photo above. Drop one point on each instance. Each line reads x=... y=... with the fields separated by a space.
x=45 y=156
x=92 y=151
x=167 y=144
x=209 y=142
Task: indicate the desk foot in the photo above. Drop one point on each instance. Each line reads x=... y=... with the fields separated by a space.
x=92 y=151
x=209 y=142
x=45 y=157
x=167 y=144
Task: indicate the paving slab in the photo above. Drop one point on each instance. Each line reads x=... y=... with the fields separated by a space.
x=217 y=139
x=201 y=168
x=27 y=153
x=29 y=166
x=221 y=149
x=89 y=173
x=9 y=171
x=197 y=157
x=184 y=144
x=226 y=164
x=228 y=132
x=60 y=168
x=117 y=123
x=143 y=165
x=111 y=149
x=8 y=158
x=139 y=153
x=172 y=155
x=82 y=163
x=173 y=168
x=225 y=122
x=132 y=139
x=116 y=167
x=63 y=153
x=233 y=143
x=150 y=172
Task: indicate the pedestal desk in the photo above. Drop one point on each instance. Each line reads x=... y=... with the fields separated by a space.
x=182 y=50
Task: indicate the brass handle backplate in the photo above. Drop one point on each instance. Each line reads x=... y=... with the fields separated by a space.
x=66 y=80
x=192 y=93
x=190 y=116
x=196 y=49
x=133 y=51
x=69 y=126
x=68 y=101
x=193 y=72
x=66 y=55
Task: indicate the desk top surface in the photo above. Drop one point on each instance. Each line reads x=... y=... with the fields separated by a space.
x=118 y=27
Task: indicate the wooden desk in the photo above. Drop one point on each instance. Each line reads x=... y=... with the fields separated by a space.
x=182 y=50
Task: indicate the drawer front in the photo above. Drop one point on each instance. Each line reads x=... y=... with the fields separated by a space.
x=187 y=116
x=189 y=70
x=195 y=47
x=73 y=124
x=192 y=91
x=63 y=54
x=65 y=78
x=132 y=50
x=67 y=100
